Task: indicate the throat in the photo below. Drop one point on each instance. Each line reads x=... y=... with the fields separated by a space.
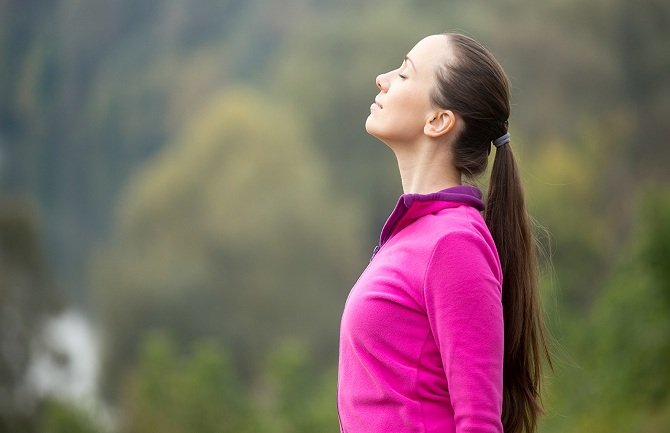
x=424 y=178
x=426 y=166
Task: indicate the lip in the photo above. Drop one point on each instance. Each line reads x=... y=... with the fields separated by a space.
x=378 y=104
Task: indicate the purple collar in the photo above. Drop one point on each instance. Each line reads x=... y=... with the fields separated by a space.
x=411 y=207
x=465 y=194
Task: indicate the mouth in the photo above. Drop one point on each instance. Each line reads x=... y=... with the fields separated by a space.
x=378 y=104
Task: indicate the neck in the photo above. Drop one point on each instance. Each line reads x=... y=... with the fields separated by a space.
x=426 y=167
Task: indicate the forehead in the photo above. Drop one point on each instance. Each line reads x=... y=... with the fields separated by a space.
x=430 y=51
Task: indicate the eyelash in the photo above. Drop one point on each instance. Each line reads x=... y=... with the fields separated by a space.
x=402 y=76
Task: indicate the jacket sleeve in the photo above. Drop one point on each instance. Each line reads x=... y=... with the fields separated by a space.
x=464 y=308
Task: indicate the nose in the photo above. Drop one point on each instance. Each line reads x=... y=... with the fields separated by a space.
x=382 y=81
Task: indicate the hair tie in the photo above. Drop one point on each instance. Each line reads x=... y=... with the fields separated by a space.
x=502 y=140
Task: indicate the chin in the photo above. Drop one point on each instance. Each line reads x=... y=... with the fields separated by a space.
x=370 y=127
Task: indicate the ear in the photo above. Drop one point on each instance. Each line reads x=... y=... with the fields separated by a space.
x=439 y=123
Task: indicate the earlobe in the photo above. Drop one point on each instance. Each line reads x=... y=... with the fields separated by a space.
x=440 y=123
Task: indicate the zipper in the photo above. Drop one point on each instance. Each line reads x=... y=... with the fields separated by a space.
x=396 y=215
x=398 y=212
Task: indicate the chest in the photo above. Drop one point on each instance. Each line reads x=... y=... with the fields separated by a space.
x=386 y=310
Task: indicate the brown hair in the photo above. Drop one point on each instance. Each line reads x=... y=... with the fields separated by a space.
x=472 y=84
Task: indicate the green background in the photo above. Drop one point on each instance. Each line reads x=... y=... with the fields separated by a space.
x=194 y=178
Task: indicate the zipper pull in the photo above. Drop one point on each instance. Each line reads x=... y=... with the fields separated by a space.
x=374 y=252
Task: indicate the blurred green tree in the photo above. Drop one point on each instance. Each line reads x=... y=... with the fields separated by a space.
x=302 y=395
x=198 y=389
x=564 y=194
x=235 y=232
x=170 y=393
x=619 y=380
x=61 y=417
x=27 y=299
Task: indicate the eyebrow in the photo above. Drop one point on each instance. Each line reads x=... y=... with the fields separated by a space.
x=407 y=59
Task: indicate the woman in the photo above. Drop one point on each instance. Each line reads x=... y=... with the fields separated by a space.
x=443 y=331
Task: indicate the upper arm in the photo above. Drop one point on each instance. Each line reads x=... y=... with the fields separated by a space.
x=464 y=308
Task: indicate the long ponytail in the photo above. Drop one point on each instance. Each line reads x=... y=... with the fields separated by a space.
x=472 y=84
x=525 y=342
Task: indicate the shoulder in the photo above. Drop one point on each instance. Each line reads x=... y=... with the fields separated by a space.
x=465 y=250
x=462 y=225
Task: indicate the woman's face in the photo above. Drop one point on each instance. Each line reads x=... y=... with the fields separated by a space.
x=403 y=105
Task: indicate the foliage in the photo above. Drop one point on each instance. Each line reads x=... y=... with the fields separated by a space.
x=204 y=235
x=200 y=391
x=301 y=393
x=621 y=382
x=26 y=301
x=172 y=394
x=61 y=417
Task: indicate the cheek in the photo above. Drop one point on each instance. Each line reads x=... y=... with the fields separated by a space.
x=410 y=108
x=407 y=97
x=416 y=100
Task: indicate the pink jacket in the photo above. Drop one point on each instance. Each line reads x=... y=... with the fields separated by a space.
x=421 y=339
